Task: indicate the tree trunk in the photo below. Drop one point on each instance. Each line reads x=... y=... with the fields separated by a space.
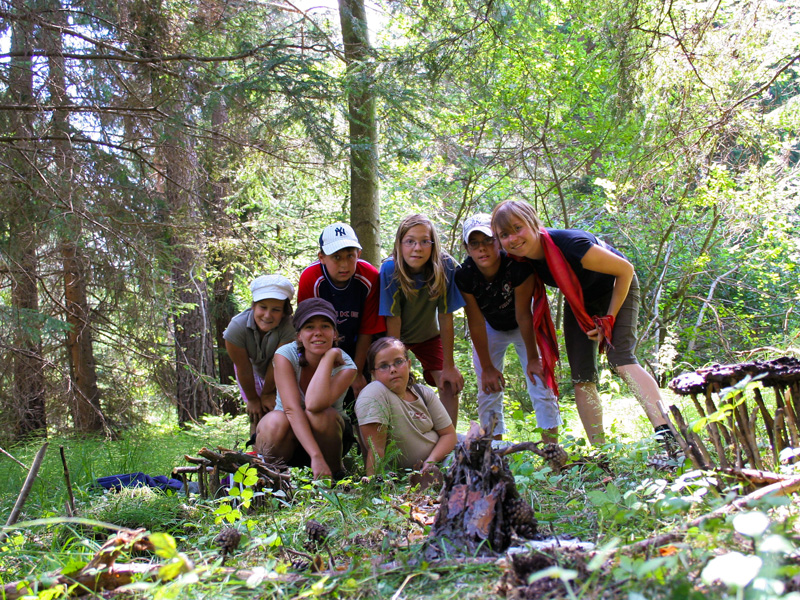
x=194 y=358
x=85 y=396
x=223 y=307
x=364 y=200
x=22 y=251
x=176 y=164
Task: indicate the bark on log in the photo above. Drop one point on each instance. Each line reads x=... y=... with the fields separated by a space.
x=480 y=507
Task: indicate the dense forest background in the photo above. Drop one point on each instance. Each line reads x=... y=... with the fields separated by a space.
x=155 y=155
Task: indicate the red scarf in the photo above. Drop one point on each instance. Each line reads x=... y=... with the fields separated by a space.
x=568 y=283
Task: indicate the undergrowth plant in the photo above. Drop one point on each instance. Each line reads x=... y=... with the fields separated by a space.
x=240 y=495
x=609 y=496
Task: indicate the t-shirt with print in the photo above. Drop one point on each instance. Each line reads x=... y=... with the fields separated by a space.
x=418 y=314
x=411 y=426
x=290 y=352
x=356 y=304
x=495 y=298
x=243 y=332
x=574 y=244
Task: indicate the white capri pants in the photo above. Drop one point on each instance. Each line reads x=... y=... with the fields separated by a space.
x=545 y=403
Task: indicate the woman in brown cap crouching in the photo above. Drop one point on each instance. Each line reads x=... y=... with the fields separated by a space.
x=308 y=426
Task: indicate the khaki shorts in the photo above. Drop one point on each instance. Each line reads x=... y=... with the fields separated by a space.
x=582 y=352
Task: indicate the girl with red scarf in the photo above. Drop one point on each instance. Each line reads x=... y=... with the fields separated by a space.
x=602 y=294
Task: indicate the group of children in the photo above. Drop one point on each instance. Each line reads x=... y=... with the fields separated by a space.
x=343 y=354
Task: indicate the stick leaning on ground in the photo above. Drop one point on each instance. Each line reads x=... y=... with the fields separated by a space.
x=26 y=490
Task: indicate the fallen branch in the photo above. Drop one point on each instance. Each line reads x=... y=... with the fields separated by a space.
x=70 y=498
x=111 y=579
x=756 y=476
x=779 y=488
x=26 y=489
x=99 y=574
x=14 y=459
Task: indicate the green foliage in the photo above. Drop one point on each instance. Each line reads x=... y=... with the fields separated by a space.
x=607 y=495
x=240 y=494
x=141 y=507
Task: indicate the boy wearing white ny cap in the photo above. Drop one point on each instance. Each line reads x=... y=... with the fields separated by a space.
x=351 y=285
x=253 y=336
x=490 y=281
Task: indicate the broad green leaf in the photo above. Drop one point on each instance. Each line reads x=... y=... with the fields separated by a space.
x=164 y=544
x=777 y=544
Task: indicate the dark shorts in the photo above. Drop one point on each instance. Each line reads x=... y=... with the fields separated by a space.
x=582 y=352
x=431 y=356
x=300 y=458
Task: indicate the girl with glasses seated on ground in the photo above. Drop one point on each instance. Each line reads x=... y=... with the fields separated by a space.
x=393 y=409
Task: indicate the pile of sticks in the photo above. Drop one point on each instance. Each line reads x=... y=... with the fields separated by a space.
x=210 y=467
x=738 y=427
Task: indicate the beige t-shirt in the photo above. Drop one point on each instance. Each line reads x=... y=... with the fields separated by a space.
x=412 y=426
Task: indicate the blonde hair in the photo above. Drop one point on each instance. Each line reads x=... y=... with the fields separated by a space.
x=506 y=211
x=433 y=271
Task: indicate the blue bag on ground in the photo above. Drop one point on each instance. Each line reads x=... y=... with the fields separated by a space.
x=115 y=482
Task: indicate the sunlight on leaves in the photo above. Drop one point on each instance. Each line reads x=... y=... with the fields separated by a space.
x=164 y=544
x=776 y=544
x=553 y=573
x=733 y=569
x=751 y=524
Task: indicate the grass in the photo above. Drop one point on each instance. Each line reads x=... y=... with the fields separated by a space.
x=611 y=498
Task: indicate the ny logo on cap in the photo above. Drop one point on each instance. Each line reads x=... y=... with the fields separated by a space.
x=339 y=231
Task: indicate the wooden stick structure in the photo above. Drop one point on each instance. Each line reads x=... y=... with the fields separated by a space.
x=739 y=427
x=210 y=464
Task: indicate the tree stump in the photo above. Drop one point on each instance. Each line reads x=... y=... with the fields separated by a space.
x=480 y=507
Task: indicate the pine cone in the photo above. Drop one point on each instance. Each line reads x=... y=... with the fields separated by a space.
x=519 y=512
x=521 y=517
x=300 y=564
x=317 y=532
x=555 y=456
x=228 y=540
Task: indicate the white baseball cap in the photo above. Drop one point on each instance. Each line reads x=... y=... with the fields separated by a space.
x=477 y=222
x=271 y=286
x=337 y=236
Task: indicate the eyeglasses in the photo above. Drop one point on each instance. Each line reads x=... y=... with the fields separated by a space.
x=487 y=242
x=411 y=243
x=386 y=367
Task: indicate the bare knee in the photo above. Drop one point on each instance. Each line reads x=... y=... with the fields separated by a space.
x=272 y=431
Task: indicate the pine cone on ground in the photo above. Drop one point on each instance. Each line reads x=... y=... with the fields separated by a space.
x=228 y=541
x=317 y=532
x=300 y=564
x=555 y=456
x=521 y=517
